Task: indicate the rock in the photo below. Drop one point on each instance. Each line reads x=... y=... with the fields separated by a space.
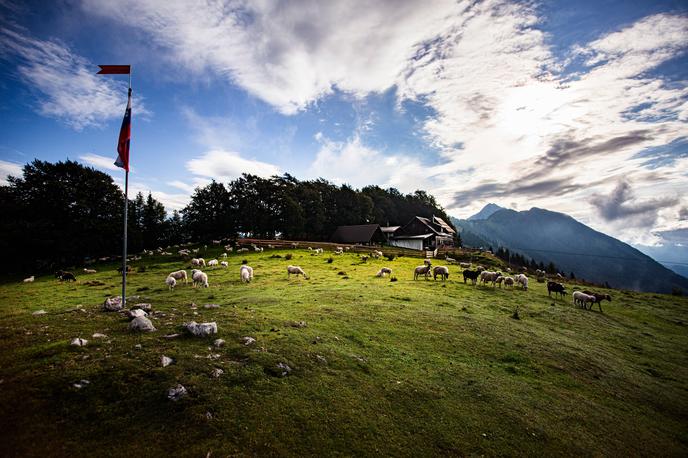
x=166 y=361
x=219 y=343
x=248 y=340
x=135 y=313
x=142 y=324
x=171 y=336
x=217 y=372
x=283 y=369
x=321 y=359
x=39 y=312
x=212 y=306
x=113 y=304
x=176 y=393
x=297 y=324
x=201 y=329
x=142 y=306
x=98 y=335
x=80 y=384
x=79 y=342
x=138 y=346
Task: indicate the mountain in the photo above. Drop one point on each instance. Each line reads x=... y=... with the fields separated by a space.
x=548 y=236
x=486 y=212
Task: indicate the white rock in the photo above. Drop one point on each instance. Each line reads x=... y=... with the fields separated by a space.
x=176 y=393
x=201 y=329
x=166 y=361
x=219 y=343
x=247 y=340
x=212 y=306
x=79 y=342
x=141 y=323
x=217 y=372
x=113 y=304
x=142 y=306
x=285 y=370
x=135 y=313
x=138 y=346
x=98 y=335
x=39 y=312
x=80 y=384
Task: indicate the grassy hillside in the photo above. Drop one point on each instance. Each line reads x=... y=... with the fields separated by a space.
x=406 y=368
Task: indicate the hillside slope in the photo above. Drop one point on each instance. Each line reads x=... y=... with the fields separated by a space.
x=574 y=247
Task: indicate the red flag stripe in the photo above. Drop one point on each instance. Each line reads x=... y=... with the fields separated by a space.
x=124 y=138
x=114 y=70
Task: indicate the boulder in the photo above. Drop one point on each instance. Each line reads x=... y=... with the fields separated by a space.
x=248 y=340
x=176 y=393
x=200 y=329
x=219 y=343
x=142 y=306
x=166 y=360
x=142 y=324
x=39 y=312
x=135 y=313
x=79 y=342
x=113 y=304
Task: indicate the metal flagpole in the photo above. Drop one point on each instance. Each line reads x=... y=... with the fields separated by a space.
x=126 y=208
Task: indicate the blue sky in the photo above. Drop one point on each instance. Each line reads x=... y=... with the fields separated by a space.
x=579 y=107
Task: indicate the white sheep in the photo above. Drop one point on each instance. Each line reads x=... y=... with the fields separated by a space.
x=523 y=280
x=30 y=279
x=170 y=282
x=449 y=260
x=179 y=275
x=508 y=281
x=582 y=299
x=465 y=265
x=318 y=251
x=376 y=254
x=421 y=270
x=427 y=262
x=90 y=271
x=198 y=262
x=223 y=255
x=488 y=276
x=199 y=277
x=442 y=271
x=296 y=270
x=224 y=264
x=383 y=271
x=246 y=273
x=213 y=263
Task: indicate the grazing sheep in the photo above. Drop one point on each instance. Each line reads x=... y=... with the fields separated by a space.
x=427 y=262
x=217 y=242
x=170 y=282
x=246 y=273
x=499 y=281
x=465 y=265
x=383 y=271
x=229 y=248
x=296 y=270
x=480 y=268
x=224 y=264
x=29 y=280
x=223 y=255
x=67 y=276
x=364 y=258
x=522 y=280
x=581 y=299
x=487 y=276
x=598 y=298
x=442 y=271
x=199 y=277
x=558 y=288
x=376 y=254
x=179 y=275
x=421 y=270
x=90 y=271
x=318 y=251
x=449 y=260
x=470 y=275
x=213 y=263
x=198 y=262
x=508 y=281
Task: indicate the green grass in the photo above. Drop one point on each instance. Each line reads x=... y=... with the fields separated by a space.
x=406 y=368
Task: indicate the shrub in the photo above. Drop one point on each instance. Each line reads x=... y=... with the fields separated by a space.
x=341 y=272
x=390 y=257
x=516 y=316
x=288 y=256
x=244 y=261
x=393 y=279
x=330 y=260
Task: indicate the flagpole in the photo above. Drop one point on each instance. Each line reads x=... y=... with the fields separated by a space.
x=126 y=211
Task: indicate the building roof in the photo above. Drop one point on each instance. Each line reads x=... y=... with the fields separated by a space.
x=446 y=227
x=422 y=236
x=389 y=229
x=434 y=227
x=361 y=233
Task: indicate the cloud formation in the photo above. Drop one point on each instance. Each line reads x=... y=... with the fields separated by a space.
x=100 y=162
x=226 y=165
x=65 y=84
x=9 y=169
x=621 y=204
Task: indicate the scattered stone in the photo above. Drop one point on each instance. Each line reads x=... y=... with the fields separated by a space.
x=297 y=324
x=176 y=393
x=98 y=335
x=171 y=336
x=283 y=369
x=135 y=313
x=142 y=324
x=247 y=340
x=214 y=356
x=219 y=343
x=208 y=416
x=143 y=306
x=80 y=384
x=39 y=312
x=113 y=304
x=201 y=329
x=79 y=342
x=212 y=306
x=166 y=361
x=217 y=372
x=138 y=346
x=321 y=359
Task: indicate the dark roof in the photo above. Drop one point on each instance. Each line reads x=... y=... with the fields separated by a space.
x=361 y=233
x=435 y=228
x=406 y=237
x=446 y=227
x=389 y=229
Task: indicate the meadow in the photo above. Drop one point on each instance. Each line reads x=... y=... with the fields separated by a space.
x=378 y=367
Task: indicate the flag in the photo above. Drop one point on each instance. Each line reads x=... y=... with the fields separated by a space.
x=114 y=70
x=124 y=138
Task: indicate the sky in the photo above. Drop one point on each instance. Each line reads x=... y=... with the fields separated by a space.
x=577 y=107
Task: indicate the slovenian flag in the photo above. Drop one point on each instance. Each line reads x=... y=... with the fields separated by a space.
x=124 y=138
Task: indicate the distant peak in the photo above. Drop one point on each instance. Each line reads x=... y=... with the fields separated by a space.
x=486 y=212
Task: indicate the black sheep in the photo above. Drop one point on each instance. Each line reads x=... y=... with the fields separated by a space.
x=67 y=276
x=556 y=287
x=470 y=274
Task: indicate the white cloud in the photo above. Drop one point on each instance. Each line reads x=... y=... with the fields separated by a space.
x=181 y=185
x=66 y=85
x=225 y=165
x=101 y=162
x=9 y=169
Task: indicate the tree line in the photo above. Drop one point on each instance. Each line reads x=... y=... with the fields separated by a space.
x=59 y=214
